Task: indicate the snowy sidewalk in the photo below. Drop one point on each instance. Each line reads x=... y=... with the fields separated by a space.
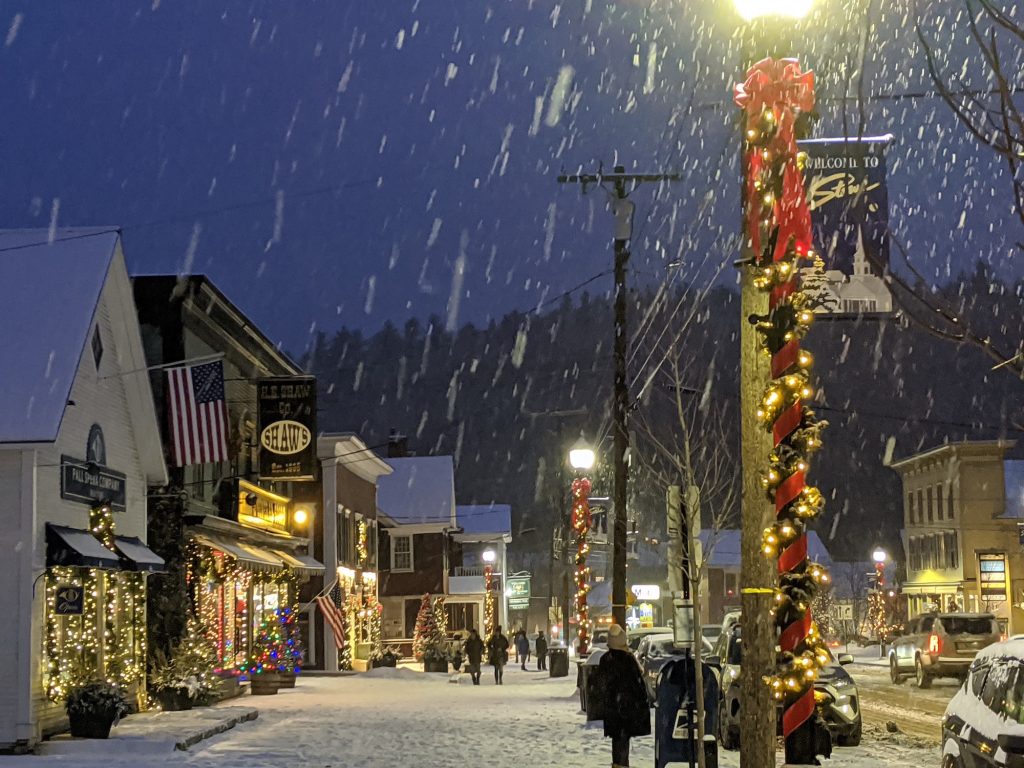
x=149 y=735
x=392 y=718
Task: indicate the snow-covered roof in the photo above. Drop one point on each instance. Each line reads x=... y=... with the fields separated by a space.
x=420 y=491
x=484 y=518
x=52 y=287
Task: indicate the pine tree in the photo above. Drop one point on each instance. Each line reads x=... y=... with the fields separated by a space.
x=267 y=648
x=823 y=611
x=441 y=615
x=291 y=657
x=881 y=621
x=427 y=632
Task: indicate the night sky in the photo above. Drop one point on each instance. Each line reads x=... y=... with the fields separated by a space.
x=332 y=163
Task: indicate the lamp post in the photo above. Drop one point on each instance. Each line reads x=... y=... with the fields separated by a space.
x=777 y=432
x=581 y=458
x=489 y=557
x=879 y=556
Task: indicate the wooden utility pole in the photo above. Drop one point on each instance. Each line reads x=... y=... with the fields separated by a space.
x=622 y=207
x=758 y=577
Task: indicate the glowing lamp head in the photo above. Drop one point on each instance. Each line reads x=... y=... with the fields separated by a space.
x=756 y=9
x=300 y=517
x=879 y=555
x=489 y=556
x=581 y=455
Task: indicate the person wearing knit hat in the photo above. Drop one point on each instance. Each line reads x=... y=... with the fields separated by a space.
x=627 y=712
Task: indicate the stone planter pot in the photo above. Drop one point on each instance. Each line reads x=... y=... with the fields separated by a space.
x=433 y=665
x=387 y=661
x=174 y=699
x=264 y=684
x=93 y=725
x=286 y=679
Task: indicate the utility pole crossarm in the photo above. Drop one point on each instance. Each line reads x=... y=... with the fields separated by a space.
x=616 y=175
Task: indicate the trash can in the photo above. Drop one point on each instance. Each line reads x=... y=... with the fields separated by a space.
x=675 y=716
x=558 y=662
x=589 y=684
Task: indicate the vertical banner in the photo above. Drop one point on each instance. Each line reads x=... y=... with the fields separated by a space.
x=287 y=427
x=849 y=202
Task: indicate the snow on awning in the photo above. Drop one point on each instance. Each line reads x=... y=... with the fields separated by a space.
x=137 y=556
x=299 y=562
x=252 y=557
x=77 y=548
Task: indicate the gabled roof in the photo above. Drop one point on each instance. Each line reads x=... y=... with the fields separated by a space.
x=484 y=519
x=52 y=287
x=420 y=491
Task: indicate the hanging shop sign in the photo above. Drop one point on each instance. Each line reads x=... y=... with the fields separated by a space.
x=518 y=593
x=88 y=481
x=849 y=202
x=287 y=427
x=646 y=591
x=69 y=600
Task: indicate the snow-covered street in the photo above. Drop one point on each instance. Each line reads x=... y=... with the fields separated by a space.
x=390 y=718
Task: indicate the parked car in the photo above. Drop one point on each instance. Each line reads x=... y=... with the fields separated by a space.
x=940 y=645
x=635 y=636
x=984 y=721
x=841 y=708
x=654 y=651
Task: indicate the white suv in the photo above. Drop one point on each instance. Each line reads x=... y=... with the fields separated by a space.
x=984 y=721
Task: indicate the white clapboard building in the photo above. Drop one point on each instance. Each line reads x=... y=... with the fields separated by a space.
x=79 y=444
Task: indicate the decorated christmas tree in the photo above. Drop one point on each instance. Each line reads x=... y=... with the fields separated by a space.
x=291 y=656
x=198 y=658
x=823 y=610
x=441 y=616
x=882 y=624
x=428 y=634
x=267 y=647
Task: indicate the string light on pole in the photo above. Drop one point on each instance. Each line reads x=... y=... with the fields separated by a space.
x=581 y=457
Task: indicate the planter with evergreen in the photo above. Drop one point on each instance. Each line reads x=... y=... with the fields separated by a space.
x=94 y=708
x=385 y=657
x=265 y=664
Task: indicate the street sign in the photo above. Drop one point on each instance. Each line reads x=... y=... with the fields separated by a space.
x=518 y=593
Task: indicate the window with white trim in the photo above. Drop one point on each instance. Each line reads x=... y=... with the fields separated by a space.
x=401 y=553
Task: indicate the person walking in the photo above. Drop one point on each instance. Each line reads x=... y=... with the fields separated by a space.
x=624 y=696
x=523 y=648
x=542 y=652
x=473 y=649
x=497 y=652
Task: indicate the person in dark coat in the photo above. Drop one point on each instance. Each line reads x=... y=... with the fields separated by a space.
x=623 y=696
x=497 y=653
x=542 y=652
x=523 y=648
x=473 y=648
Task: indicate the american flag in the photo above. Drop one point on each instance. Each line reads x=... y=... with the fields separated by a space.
x=198 y=414
x=330 y=606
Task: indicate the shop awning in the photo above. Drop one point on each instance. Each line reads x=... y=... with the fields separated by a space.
x=299 y=562
x=137 y=556
x=77 y=548
x=252 y=557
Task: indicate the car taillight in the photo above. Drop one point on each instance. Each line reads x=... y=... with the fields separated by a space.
x=934 y=644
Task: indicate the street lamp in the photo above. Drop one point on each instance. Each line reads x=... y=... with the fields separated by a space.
x=776 y=236
x=489 y=556
x=581 y=457
x=755 y=9
x=300 y=517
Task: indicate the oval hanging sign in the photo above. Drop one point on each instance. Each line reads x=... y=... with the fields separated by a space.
x=285 y=437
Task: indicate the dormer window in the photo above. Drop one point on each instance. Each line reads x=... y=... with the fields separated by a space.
x=97 y=347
